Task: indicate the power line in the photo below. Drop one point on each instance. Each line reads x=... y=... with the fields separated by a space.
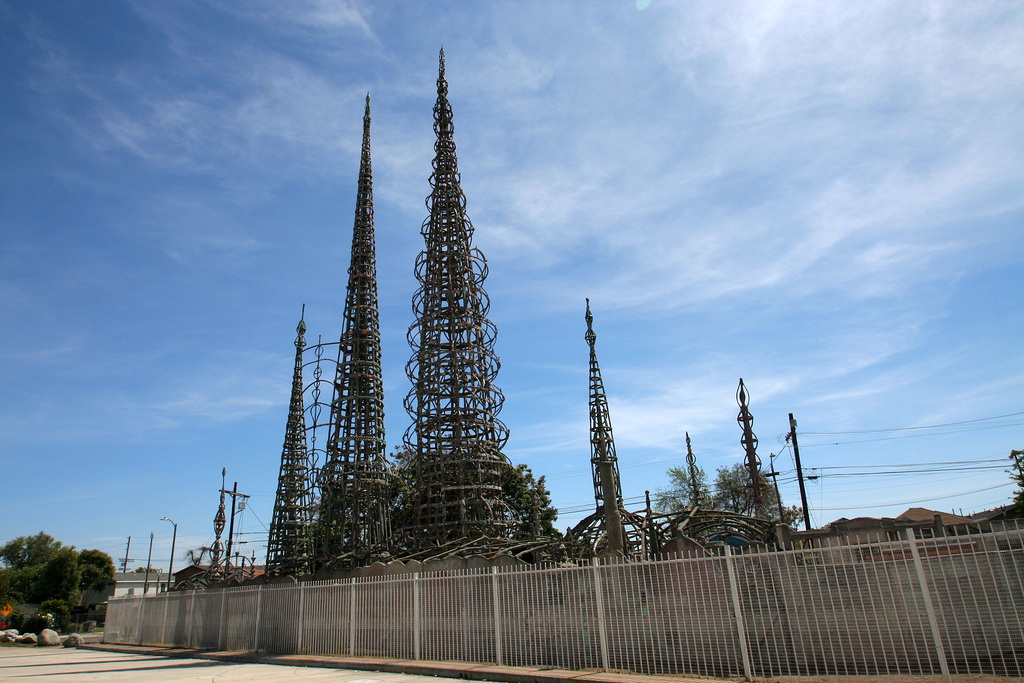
x=905 y=429
x=923 y=500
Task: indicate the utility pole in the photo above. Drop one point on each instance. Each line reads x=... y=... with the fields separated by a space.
x=174 y=539
x=235 y=495
x=124 y=561
x=799 y=472
x=775 y=479
x=149 y=560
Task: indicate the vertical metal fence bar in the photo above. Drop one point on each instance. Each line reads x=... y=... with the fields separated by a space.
x=163 y=626
x=416 y=615
x=298 y=629
x=352 y=618
x=497 y=616
x=142 y=611
x=256 y=623
x=220 y=623
x=926 y=596
x=599 y=605
x=738 y=613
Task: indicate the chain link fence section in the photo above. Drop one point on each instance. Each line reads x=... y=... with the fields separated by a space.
x=897 y=607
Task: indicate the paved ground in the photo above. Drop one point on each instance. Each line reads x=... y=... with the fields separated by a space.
x=72 y=664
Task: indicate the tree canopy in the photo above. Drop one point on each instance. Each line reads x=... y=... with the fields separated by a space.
x=527 y=497
x=1017 y=474
x=731 y=492
x=40 y=569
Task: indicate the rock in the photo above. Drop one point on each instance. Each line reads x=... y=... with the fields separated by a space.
x=12 y=631
x=48 y=637
x=74 y=640
x=26 y=638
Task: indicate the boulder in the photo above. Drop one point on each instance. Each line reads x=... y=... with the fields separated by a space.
x=29 y=638
x=48 y=637
x=74 y=640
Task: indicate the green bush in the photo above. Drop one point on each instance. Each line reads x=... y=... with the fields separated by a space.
x=36 y=623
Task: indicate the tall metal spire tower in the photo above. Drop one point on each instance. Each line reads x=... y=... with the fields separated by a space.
x=289 y=545
x=353 y=515
x=456 y=436
x=605 y=464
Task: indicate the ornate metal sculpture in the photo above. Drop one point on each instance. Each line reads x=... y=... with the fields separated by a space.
x=691 y=463
x=353 y=514
x=289 y=546
x=456 y=436
x=610 y=530
x=749 y=443
x=218 y=528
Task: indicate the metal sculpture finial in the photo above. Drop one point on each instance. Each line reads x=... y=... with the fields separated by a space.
x=301 y=327
x=590 y=336
x=749 y=443
x=691 y=463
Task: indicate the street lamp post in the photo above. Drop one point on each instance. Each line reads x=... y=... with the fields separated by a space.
x=174 y=538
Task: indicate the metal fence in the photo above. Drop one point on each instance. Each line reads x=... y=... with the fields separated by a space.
x=888 y=608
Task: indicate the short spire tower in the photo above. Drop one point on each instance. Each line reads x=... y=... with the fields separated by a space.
x=605 y=464
x=691 y=464
x=353 y=513
x=289 y=544
x=749 y=443
x=456 y=437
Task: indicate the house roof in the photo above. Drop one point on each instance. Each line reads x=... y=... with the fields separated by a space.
x=926 y=515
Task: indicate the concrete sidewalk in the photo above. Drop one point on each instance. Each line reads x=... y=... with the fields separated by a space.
x=49 y=664
x=409 y=668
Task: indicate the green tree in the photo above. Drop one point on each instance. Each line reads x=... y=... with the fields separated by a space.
x=530 y=501
x=731 y=492
x=679 y=494
x=59 y=578
x=1017 y=474
x=97 y=569
x=528 y=498
x=29 y=551
x=734 y=493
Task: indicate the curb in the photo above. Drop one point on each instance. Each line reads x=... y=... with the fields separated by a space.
x=461 y=670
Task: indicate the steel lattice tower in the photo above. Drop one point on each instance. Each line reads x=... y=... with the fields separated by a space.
x=605 y=464
x=456 y=436
x=289 y=544
x=353 y=515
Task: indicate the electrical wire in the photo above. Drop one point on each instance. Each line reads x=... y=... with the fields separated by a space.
x=906 y=429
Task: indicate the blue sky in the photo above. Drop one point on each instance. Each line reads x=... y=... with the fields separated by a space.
x=823 y=198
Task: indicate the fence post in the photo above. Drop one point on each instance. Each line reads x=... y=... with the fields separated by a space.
x=256 y=627
x=599 y=602
x=298 y=640
x=163 y=627
x=220 y=624
x=737 y=612
x=352 y=618
x=191 y=617
x=497 y=616
x=142 y=612
x=416 y=615
x=929 y=608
